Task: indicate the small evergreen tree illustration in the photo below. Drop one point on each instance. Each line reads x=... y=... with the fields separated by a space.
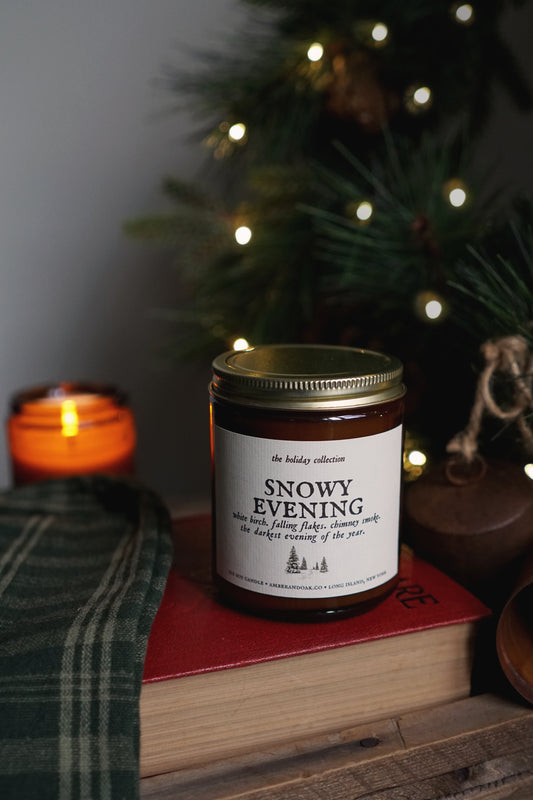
x=292 y=563
x=316 y=566
x=303 y=565
x=323 y=565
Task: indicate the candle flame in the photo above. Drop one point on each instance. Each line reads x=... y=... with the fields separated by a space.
x=69 y=418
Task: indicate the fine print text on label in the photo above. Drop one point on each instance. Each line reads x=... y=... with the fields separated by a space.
x=307 y=519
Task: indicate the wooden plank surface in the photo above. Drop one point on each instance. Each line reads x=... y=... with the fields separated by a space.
x=481 y=747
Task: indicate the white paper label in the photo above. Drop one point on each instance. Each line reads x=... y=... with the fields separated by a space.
x=307 y=519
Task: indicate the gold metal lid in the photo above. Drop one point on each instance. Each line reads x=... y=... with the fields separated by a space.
x=306 y=377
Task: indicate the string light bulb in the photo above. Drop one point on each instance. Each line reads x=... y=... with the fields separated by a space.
x=243 y=234
x=240 y=344
x=315 y=52
x=455 y=192
x=430 y=306
x=457 y=197
x=419 y=99
x=433 y=309
x=463 y=13
x=223 y=139
x=380 y=33
x=364 y=211
x=237 y=132
x=422 y=96
x=415 y=459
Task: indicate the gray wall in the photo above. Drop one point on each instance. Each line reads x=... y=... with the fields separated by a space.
x=85 y=138
x=84 y=141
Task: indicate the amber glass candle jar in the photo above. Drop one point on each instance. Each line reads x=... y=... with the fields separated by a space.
x=306 y=453
x=57 y=431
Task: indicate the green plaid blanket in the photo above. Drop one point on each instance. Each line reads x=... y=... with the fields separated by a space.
x=83 y=564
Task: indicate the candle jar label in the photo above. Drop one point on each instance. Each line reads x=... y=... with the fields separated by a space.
x=307 y=519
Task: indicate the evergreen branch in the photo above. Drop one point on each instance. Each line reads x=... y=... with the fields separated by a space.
x=370 y=177
x=187 y=194
x=498 y=280
x=311 y=271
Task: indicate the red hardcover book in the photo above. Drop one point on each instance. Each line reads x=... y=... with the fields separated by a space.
x=219 y=682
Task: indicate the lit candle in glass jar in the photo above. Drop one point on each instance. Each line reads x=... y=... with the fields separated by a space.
x=70 y=429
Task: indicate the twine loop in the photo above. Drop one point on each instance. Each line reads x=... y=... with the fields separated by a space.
x=509 y=356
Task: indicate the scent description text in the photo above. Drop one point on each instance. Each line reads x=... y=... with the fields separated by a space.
x=307 y=519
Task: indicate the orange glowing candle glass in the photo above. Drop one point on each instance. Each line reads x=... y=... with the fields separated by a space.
x=70 y=429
